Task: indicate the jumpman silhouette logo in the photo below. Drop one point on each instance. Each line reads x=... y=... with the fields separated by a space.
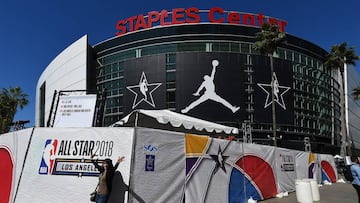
x=209 y=93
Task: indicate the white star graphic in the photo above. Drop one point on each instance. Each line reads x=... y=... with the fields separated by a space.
x=143 y=90
x=278 y=99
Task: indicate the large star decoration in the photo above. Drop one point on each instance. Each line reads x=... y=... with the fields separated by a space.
x=279 y=99
x=143 y=91
x=220 y=159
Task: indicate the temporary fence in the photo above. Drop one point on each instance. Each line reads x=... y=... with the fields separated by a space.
x=53 y=165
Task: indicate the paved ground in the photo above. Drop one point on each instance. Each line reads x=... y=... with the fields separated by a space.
x=335 y=193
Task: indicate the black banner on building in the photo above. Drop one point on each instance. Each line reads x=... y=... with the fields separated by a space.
x=211 y=85
x=145 y=83
x=283 y=80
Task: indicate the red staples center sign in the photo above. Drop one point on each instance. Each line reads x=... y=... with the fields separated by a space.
x=192 y=16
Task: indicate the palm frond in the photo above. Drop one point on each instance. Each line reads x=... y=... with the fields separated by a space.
x=269 y=39
x=340 y=55
x=356 y=92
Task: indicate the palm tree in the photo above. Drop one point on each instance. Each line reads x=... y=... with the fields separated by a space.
x=336 y=60
x=10 y=100
x=356 y=92
x=267 y=42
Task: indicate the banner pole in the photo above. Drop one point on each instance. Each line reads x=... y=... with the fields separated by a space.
x=243 y=162
x=136 y=119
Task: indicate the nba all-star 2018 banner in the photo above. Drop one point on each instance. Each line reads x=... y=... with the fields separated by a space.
x=13 y=148
x=58 y=166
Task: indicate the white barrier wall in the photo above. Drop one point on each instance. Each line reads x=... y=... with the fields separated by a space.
x=308 y=166
x=225 y=171
x=285 y=169
x=13 y=148
x=158 y=170
x=160 y=166
x=58 y=168
x=328 y=168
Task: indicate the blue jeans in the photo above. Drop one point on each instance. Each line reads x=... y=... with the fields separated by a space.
x=101 y=198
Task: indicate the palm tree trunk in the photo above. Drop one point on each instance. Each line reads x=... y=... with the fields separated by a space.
x=347 y=146
x=273 y=110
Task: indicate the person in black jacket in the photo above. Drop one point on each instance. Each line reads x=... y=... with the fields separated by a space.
x=107 y=171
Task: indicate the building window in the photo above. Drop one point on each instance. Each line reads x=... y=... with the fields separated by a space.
x=170 y=99
x=235 y=47
x=170 y=80
x=221 y=46
x=138 y=53
x=281 y=53
x=208 y=47
x=245 y=48
x=191 y=46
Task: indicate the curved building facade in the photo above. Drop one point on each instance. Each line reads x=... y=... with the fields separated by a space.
x=68 y=71
x=212 y=71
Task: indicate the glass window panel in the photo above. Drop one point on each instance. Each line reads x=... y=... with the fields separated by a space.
x=170 y=58
x=303 y=59
x=281 y=53
x=289 y=55
x=235 y=47
x=107 y=69
x=171 y=105
x=171 y=85
x=170 y=76
x=191 y=46
x=297 y=57
x=171 y=67
x=245 y=48
x=115 y=92
x=221 y=46
x=114 y=67
x=115 y=75
x=170 y=96
x=121 y=66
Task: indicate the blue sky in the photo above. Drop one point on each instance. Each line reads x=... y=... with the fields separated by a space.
x=34 y=32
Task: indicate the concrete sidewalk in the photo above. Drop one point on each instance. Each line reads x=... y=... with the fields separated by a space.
x=335 y=193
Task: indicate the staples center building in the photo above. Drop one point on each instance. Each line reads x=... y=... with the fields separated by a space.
x=203 y=64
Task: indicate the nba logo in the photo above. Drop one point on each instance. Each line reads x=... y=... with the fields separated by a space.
x=48 y=157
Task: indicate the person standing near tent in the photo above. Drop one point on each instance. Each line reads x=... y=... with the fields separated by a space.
x=355 y=170
x=107 y=171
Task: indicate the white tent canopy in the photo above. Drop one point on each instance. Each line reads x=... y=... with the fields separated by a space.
x=166 y=119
